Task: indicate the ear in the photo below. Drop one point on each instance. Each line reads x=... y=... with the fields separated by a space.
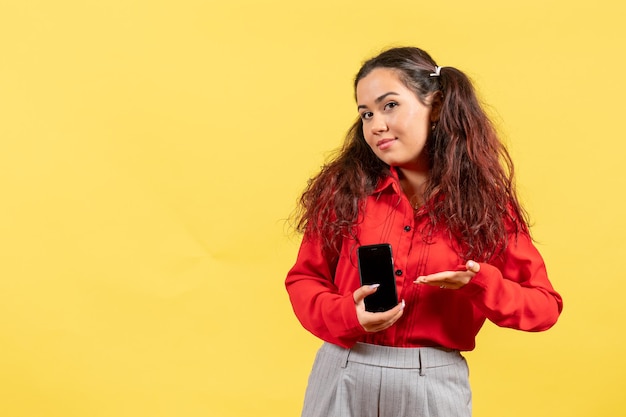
x=435 y=106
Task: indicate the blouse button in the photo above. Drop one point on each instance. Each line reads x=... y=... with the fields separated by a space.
x=407 y=228
x=398 y=272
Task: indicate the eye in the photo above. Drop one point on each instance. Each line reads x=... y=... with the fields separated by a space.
x=391 y=105
x=366 y=115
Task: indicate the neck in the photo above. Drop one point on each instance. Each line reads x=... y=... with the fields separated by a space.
x=413 y=184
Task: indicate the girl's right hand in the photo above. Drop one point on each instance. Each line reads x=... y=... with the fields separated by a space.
x=375 y=322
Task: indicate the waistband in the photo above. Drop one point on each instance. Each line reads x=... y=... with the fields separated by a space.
x=395 y=357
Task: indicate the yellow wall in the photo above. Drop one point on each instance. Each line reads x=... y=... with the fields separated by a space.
x=152 y=150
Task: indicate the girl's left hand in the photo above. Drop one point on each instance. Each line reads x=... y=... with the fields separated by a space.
x=451 y=280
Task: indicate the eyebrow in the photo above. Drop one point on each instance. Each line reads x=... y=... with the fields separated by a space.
x=379 y=99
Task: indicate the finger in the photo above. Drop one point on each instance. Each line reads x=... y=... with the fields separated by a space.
x=388 y=318
x=398 y=309
x=473 y=266
x=385 y=316
x=398 y=314
x=395 y=318
x=434 y=278
x=364 y=291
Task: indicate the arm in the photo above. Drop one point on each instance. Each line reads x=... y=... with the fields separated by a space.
x=316 y=300
x=330 y=313
x=517 y=292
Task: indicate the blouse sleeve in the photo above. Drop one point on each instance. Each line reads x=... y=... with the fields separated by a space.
x=516 y=293
x=316 y=300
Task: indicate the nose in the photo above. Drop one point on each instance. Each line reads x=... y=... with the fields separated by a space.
x=379 y=124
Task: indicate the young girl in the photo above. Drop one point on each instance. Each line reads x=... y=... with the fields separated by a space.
x=422 y=169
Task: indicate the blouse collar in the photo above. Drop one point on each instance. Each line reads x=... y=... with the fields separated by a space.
x=390 y=181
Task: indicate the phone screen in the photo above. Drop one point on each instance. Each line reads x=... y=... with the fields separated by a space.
x=376 y=267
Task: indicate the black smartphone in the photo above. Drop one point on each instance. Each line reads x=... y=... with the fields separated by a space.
x=376 y=267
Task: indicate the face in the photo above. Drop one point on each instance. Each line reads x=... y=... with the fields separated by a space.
x=396 y=124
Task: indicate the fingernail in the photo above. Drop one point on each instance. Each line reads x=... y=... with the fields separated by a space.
x=373 y=286
x=470 y=265
x=403 y=304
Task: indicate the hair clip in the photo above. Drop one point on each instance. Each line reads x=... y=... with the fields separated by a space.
x=436 y=73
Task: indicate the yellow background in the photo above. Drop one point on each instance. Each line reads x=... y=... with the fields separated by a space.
x=153 y=150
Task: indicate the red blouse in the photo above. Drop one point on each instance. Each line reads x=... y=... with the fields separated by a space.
x=511 y=291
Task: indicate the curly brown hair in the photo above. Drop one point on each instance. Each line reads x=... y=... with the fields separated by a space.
x=471 y=189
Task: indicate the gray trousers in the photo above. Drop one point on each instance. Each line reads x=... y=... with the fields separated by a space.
x=382 y=381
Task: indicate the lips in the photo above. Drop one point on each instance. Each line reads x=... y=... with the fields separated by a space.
x=385 y=143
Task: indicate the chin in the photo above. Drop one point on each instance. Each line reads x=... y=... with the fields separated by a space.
x=395 y=163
